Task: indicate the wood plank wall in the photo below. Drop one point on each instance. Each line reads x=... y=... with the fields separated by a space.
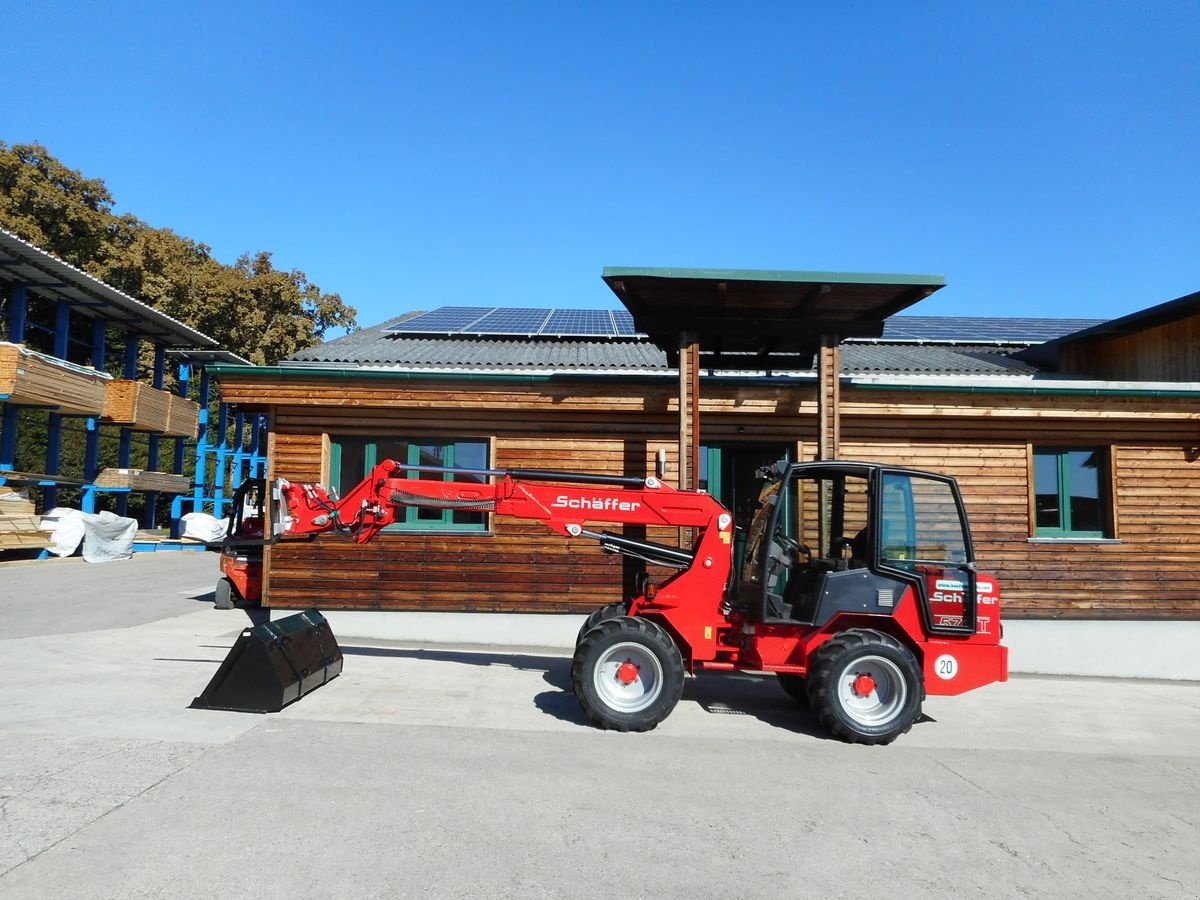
x=519 y=565
x=1169 y=352
x=984 y=440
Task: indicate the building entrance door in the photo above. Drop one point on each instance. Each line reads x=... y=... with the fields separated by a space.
x=729 y=473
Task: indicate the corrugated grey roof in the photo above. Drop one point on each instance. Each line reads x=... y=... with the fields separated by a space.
x=375 y=347
x=503 y=354
x=928 y=359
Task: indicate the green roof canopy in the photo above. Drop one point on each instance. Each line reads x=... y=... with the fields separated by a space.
x=762 y=312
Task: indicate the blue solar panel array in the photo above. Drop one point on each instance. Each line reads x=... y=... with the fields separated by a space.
x=613 y=323
x=511 y=321
x=445 y=320
x=968 y=329
x=520 y=321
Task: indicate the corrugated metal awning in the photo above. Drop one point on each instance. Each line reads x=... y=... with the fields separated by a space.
x=763 y=312
x=48 y=276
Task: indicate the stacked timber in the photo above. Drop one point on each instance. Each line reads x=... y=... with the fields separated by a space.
x=183 y=417
x=18 y=525
x=137 y=406
x=29 y=378
x=141 y=480
x=143 y=408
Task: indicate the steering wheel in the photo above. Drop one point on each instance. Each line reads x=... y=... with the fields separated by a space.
x=794 y=546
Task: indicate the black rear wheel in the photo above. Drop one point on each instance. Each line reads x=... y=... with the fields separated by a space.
x=627 y=674
x=865 y=686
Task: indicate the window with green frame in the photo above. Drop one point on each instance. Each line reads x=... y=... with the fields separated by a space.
x=1070 y=492
x=351 y=458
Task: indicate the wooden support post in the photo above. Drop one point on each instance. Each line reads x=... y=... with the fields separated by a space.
x=829 y=371
x=694 y=370
x=689 y=410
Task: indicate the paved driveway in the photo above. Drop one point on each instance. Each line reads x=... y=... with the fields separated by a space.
x=468 y=772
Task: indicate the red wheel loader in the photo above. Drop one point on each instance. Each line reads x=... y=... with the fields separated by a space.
x=857 y=587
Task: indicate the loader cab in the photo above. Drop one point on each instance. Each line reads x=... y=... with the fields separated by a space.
x=832 y=538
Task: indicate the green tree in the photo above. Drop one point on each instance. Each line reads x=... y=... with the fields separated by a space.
x=250 y=307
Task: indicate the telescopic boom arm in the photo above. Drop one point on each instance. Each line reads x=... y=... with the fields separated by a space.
x=564 y=501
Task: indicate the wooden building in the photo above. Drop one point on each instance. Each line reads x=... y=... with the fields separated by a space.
x=1076 y=444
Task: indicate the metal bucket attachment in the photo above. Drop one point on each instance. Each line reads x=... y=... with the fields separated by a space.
x=273 y=664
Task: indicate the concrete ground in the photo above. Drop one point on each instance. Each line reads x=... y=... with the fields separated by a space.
x=468 y=772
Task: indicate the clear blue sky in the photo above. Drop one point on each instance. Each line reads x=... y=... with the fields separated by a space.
x=1043 y=157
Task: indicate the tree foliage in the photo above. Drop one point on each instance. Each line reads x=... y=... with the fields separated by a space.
x=250 y=307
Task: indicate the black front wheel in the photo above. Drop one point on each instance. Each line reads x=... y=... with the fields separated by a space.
x=865 y=686
x=604 y=613
x=627 y=674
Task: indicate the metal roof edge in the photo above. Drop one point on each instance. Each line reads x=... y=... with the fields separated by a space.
x=328 y=370
x=1030 y=384
x=325 y=371
x=1152 y=316
x=781 y=275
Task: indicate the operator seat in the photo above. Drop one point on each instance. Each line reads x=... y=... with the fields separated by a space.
x=860 y=550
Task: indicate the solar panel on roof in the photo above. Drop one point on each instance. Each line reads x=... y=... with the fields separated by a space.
x=623 y=322
x=520 y=321
x=580 y=322
x=510 y=321
x=965 y=329
x=444 y=320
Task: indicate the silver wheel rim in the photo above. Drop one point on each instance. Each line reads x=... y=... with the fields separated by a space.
x=639 y=693
x=881 y=705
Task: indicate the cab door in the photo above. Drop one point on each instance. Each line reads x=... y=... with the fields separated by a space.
x=924 y=538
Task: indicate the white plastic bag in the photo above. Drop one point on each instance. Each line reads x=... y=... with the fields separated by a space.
x=203 y=527
x=108 y=536
x=66 y=529
x=105 y=536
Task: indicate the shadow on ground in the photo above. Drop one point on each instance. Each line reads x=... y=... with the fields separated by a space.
x=735 y=694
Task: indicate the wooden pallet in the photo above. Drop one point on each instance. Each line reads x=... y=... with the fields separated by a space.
x=140 y=480
x=138 y=406
x=28 y=378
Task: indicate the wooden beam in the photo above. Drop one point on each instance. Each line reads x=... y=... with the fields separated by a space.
x=829 y=371
x=694 y=371
x=689 y=409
